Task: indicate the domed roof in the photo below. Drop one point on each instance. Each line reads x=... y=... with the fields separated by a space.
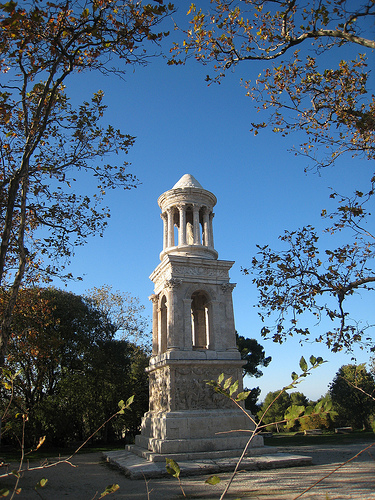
x=187 y=181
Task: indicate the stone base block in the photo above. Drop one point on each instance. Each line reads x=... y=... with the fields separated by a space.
x=195 y=432
x=136 y=467
x=151 y=456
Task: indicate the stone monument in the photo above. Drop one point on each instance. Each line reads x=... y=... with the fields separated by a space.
x=193 y=338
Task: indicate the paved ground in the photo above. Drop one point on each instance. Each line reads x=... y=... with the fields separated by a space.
x=90 y=476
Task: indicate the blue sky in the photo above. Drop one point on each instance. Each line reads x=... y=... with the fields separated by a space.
x=183 y=126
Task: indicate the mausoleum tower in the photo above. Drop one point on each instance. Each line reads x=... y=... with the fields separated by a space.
x=194 y=337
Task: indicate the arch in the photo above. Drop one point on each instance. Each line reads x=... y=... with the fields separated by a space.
x=208 y=290
x=200 y=319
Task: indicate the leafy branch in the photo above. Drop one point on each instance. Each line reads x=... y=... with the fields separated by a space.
x=228 y=389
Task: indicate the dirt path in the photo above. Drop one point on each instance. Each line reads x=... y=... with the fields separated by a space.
x=88 y=477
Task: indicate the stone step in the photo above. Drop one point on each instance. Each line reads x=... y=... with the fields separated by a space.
x=202 y=455
x=137 y=467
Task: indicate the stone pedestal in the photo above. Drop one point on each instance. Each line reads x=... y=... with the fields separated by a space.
x=187 y=416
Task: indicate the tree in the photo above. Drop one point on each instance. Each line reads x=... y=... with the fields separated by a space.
x=315 y=80
x=298 y=398
x=122 y=311
x=72 y=371
x=46 y=144
x=231 y=32
x=295 y=281
x=280 y=406
x=319 y=415
x=352 y=391
x=251 y=402
x=254 y=355
x=276 y=403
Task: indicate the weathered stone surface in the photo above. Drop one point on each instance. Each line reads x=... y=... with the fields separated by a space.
x=139 y=467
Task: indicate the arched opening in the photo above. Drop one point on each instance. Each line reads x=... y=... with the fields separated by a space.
x=163 y=325
x=200 y=320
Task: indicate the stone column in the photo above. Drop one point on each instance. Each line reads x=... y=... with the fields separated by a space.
x=206 y=224
x=162 y=327
x=188 y=334
x=216 y=337
x=172 y=335
x=164 y=216
x=170 y=213
x=182 y=228
x=211 y=232
x=196 y=224
x=155 y=322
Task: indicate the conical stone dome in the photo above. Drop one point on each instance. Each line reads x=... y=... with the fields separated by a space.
x=187 y=181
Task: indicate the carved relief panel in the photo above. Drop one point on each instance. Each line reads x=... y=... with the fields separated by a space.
x=160 y=389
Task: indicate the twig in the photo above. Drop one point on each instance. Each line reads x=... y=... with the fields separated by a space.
x=238 y=464
x=333 y=471
x=147 y=489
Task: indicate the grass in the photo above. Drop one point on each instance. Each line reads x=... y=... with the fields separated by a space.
x=293 y=439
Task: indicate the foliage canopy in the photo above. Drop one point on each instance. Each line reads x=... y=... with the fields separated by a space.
x=71 y=370
x=352 y=391
x=254 y=355
x=45 y=143
x=316 y=81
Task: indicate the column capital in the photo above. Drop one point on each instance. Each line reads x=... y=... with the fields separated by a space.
x=172 y=283
x=181 y=205
x=154 y=297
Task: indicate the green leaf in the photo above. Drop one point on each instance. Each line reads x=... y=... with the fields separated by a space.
x=241 y=396
x=303 y=364
x=41 y=483
x=227 y=383
x=312 y=360
x=294 y=375
x=124 y=406
x=130 y=400
x=328 y=405
x=291 y=386
x=109 y=489
x=213 y=480
x=233 y=388
x=172 y=467
x=4 y=492
x=220 y=379
x=121 y=405
x=294 y=412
